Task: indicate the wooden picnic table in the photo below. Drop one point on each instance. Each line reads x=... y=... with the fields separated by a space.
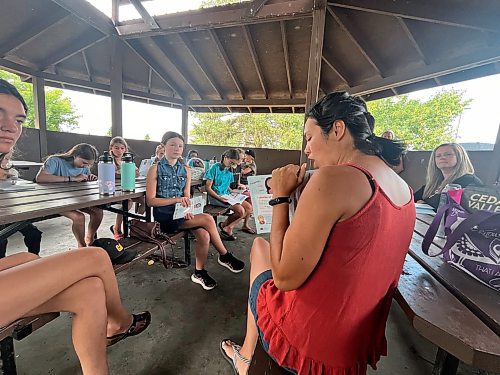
x=24 y=164
x=449 y=308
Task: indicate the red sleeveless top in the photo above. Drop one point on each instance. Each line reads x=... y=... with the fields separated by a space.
x=334 y=324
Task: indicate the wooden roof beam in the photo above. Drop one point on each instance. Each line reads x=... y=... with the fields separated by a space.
x=255 y=59
x=262 y=103
x=427 y=11
x=137 y=47
x=335 y=70
x=146 y=17
x=87 y=68
x=217 y=17
x=286 y=55
x=72 y=48
x=30 y=33
x=227 y=62
x=88 y=13
x=170 y=57
x=255 y=7
x=201 y=65
x=357 y=40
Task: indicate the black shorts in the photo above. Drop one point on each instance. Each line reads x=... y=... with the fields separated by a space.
x=165 y=216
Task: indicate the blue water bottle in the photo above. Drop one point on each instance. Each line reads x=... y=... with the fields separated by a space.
x=106 y=174
x=128 y=172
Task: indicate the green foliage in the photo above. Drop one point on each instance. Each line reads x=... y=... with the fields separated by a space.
x=61 y=114
x=423 y=125
x=147 y=137
x=277 y=131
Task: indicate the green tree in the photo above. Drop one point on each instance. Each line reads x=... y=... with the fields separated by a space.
x=423 y=125
x=109 y=133
x=61 y=114
x=278 y=131
x=147 y=137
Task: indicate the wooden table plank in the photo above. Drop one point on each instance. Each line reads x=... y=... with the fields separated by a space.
x=454 y=328
x=484 y=302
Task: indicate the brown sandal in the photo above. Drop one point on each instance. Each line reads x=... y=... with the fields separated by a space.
x=139 y=324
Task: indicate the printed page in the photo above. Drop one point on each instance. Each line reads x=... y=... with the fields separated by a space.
x=260 y=193
x=234 y=198
x=195 y=208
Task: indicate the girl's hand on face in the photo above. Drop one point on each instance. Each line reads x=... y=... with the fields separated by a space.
x=188 y=216
x=185 y=202
x=286 y=179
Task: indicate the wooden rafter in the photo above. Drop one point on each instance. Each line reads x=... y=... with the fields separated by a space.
x=72 y=48
x=255 y=7
x=148 y=60
x=255 y=59
x=31 y=33
x=217 y=17
x=356 y=39
x=335 y=70
x=150 y=76
x=87 y=68
x=284 y=41
x=227 y=62
x=429 y=11
x=262 y=103
x=201 y=65
x=115 y=11
x=146 y=17
x=170 y=57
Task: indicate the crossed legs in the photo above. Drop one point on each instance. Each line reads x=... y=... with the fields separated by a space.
x=81 y=282
x=260 y=261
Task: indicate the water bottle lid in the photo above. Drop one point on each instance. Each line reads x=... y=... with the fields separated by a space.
x=128 y=157
x=105 y=157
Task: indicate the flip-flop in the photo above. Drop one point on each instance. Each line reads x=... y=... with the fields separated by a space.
x=248 y=230
x=236 y=355
x=134 y=328
x=224 y=235
x=116 y=236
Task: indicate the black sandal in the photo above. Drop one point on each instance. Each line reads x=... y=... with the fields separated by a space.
x=135 y=328
x=226 y=236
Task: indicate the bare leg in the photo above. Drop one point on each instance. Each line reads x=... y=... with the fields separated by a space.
x=96 y=215
x=16 y=259
x=117 y=229
x=87 y=301
x=201 y=248
x=78 y=226
x=207 y=223
x=260 y=261
x=238 y=214
x=79 y=264
x=248 y=212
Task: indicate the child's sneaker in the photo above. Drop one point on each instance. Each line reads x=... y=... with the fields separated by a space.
x=232 y=263
x=203 y=278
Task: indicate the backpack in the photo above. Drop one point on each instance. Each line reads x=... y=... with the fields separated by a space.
x=151 y=232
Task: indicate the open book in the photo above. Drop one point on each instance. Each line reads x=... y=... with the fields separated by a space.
x=234 y=198
x=261 y=193
x=195 y=208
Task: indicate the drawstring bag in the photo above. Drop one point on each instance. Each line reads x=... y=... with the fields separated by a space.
x=472 y=240
x=198 y=169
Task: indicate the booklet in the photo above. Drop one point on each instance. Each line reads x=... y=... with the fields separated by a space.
x=261 y=193
x=195 y=208
x=234 y=198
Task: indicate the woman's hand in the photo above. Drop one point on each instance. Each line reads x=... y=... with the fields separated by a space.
x=184 y=201
x=188 y=216
x=91 y=177
x=223 y=200
x=286 y=179
x=80 y=178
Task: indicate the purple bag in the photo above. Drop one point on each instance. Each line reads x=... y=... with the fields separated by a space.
x=472 y=242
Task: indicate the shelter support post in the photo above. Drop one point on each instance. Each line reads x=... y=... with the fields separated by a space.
x=315 y=53
x=185 y=122
x=494 y=173
x=40 y=113
x=116 y=87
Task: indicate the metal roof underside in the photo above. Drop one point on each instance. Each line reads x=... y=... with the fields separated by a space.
x=254 y=57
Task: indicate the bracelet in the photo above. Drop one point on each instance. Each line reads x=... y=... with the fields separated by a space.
x=69 y=178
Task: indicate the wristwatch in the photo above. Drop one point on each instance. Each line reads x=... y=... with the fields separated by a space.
x=279 y=200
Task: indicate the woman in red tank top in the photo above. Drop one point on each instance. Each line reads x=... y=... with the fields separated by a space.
x=321 y=289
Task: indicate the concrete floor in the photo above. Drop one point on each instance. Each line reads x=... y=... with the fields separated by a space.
x=188 y=322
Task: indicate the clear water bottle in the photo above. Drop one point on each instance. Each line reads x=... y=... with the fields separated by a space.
x=106 y=174
x=442 y=201
x=128 y=172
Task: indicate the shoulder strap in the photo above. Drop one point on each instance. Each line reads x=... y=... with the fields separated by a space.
x=433 y=228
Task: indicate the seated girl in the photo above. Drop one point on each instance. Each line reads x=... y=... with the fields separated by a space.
x=117 y=147
x=248 y=167
x=219 y=179
x=74 y=166
x=449 y=164
x=168 y=183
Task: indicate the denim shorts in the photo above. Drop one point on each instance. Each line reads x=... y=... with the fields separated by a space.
x=252 y=301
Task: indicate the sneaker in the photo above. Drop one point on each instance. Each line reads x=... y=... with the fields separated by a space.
x=203 y=278
x=232 y=263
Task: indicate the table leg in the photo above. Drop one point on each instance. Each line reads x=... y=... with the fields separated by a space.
x=148 y=213
x=187 y=248
x=125 y=217
x=445 y=364
x=7 y=357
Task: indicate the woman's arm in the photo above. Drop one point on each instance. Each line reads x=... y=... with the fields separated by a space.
x=151 y=198
x=44 y=176
x=187 y=187
x=212 y=193
x=297 y=247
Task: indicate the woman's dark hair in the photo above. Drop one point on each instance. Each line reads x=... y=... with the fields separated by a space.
x=9 y=89
x=231 y=153
x=192 y=152
x=169 y=135
x=81 y=150
x=266 y=184
x=360 y=123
